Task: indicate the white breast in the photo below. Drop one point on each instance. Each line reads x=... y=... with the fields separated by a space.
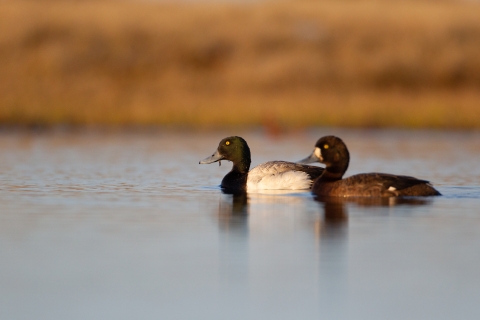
x=277 y=175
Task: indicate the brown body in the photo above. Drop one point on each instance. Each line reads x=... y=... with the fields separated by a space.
x=333 y=152
x=374 y=185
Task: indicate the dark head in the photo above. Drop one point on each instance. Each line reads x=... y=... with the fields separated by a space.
x=333 y=152
x=233 y=149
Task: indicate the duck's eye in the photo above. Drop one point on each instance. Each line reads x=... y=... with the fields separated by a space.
x=227 y=143
x=325 y=146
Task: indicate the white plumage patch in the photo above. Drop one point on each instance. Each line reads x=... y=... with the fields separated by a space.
x=318 y=153
x=392 y=189
x=277 y=175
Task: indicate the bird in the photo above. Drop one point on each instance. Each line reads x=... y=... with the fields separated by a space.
x=333 y=152
x=271 y=175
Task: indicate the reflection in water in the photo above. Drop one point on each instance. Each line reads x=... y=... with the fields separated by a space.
x=332 y=237
x=253 y=228
x=333 y=246
x=233 y=246
x=233 y=212
x=375 y=201
x=335 y=214
x=334 y=219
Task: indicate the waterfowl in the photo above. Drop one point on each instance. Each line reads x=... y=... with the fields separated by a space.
x=333 y=152
x=278 y=175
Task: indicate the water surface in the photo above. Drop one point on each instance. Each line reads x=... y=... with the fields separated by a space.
x=124 y=225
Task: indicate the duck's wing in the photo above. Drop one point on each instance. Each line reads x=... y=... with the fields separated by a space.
x=274 y=167
x=407 y=185
x=276 y=175
x=388 y=185
x=391 y=181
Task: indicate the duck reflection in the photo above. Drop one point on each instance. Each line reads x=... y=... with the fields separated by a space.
x=233 y=212
x=290 y=232
x=233 y=254
x=375 y=201
x=333 y=219
x=332 y=233
x=335 y=213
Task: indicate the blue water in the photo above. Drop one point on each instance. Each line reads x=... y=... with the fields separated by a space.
x=122 y=225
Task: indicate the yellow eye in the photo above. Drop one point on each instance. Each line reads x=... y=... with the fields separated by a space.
x=227 y=143
x=325 y=146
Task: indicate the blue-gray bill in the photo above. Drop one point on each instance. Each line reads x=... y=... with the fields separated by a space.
x=214 y=158
x=310 y=159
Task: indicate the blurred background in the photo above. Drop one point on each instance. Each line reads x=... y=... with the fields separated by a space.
x=281 y=64
x=125 y=224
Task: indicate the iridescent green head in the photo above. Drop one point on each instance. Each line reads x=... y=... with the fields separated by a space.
x=233 y=149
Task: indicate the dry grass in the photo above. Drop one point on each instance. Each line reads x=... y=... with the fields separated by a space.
x=294 y=63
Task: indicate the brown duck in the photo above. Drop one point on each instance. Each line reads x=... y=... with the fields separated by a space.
x=333 y=152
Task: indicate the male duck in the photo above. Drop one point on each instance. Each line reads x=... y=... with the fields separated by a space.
x=333 y=152
x=273 y=175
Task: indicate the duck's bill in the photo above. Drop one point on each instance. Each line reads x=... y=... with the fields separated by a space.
x=310 y=159
x=214 y=158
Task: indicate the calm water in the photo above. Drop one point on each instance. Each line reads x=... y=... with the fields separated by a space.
x=130 y=226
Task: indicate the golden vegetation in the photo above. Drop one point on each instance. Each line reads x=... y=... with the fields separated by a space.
x=293 y=63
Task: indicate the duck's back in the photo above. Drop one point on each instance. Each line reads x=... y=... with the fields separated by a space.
x=375 y=185
x=282 y=175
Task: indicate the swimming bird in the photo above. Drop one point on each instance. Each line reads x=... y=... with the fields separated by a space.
x=272 y=175
x=333 y=152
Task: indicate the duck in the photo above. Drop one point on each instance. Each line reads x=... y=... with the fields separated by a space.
x=333 y=152
x=271 y=175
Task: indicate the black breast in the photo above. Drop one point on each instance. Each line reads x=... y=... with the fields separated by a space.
x=234 y=181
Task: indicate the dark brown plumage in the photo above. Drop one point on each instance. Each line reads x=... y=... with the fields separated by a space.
x=333 y=152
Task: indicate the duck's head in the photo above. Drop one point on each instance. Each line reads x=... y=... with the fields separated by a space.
x=332 y=152
x=233 y=149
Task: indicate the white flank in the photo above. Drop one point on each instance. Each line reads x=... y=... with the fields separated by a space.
x=277 y=175
x=392 y=189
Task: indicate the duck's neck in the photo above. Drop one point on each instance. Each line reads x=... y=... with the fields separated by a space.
x=241 y=166
x=241 y=159
x=334 y=172
x=236 y=179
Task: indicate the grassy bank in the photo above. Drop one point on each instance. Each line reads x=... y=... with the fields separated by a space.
x=294 y=63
